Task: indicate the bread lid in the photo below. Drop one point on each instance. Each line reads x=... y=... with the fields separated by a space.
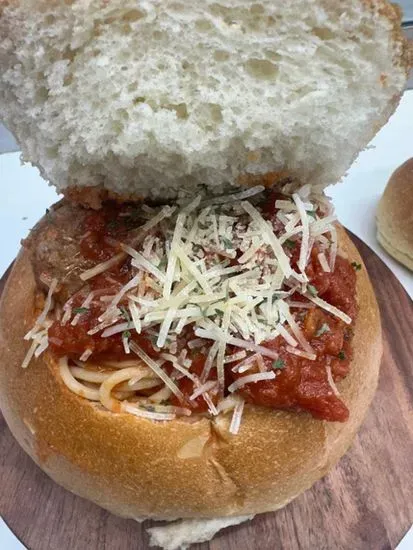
x=157 y=99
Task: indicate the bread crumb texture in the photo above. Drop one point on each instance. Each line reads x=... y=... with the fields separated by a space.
x=155 y=98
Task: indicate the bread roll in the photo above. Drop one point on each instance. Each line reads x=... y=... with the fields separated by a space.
x=395 y=215
x=138 y=468
x=133 y=98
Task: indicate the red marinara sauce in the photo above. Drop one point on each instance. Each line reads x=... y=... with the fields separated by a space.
x=300 y=383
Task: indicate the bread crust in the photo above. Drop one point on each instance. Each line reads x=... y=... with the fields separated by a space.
x=395 y=215
x=137 y=468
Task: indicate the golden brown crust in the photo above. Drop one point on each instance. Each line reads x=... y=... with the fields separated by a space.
x=394 y=14
x=395 y=215
x=137 y=468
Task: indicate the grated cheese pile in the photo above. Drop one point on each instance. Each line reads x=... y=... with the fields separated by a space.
x=219 y=266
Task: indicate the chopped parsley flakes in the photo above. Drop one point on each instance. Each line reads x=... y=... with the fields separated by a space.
x=312 y=290
x=80 y=310
x=278 y=364
x=227 y=242
x=125 y=315
x=289 y=243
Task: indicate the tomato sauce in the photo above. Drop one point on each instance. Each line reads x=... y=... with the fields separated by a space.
x=187 y=386
x=113 y=221
x=300 y=383
x=74 y=340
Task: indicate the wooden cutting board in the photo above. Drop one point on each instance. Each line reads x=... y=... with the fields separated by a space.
x=365 y=503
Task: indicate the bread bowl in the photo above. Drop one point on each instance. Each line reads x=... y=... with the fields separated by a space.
x=289 y=135
x=275 y=455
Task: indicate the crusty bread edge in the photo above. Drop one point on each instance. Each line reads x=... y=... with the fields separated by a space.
x=402 y=257
x=130 y=466
x=394 y=215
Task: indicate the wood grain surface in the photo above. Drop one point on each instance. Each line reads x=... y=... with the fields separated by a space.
x=365 y=503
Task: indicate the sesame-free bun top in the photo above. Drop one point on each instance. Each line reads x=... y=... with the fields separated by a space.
x=136 y=467
x=129 y=98
x=395 y=215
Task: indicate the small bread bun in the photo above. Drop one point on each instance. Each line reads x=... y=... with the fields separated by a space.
x=157 y=99
x=395 y=215
x=139 y=468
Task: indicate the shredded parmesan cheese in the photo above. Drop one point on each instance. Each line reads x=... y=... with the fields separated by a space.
x=280 y=255
x=300 y=353
x=306 y=232
x=236 y=417
x=42 y=317
x=86 y=354
x=217 y=274
x=249 y=379
x=331 y=309
x=203 y=389
x=323 y=262
x=157 y=369
x=102 y=267
x=331 y=381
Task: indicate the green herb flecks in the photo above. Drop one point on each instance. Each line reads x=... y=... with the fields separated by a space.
x=322 y=330
x=126 y=334
x=126 y=315
x=312 y=290
x=312 y=213
x=80 y=310
x=278 y=364
x=204 y=311
x=227 y=242
x=154 y=339
x=356 y=266
x=341 y=355
x=289 y=243
x=163 y=263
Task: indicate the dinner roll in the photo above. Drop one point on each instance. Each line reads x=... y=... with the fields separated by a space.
x=395 y=215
